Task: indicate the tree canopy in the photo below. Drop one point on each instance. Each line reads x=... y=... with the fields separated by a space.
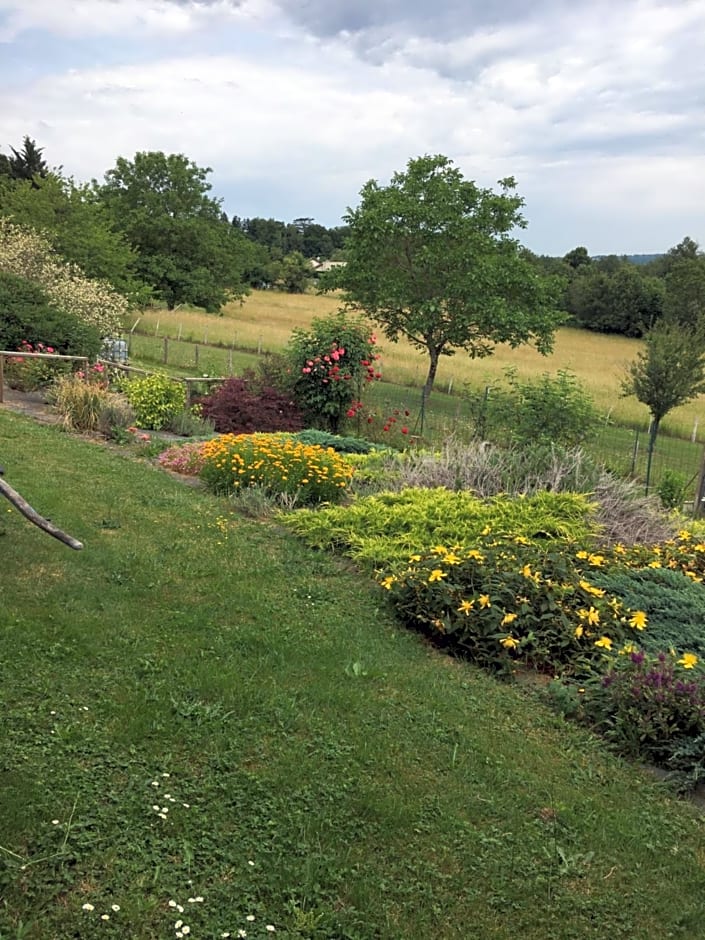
x=78 y=226
x=187 y=250
x=25 y=164
x=668 y=372
x=432 y=258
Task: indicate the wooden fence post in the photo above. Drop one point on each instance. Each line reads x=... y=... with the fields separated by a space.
x=2 y=377
x=166 y=350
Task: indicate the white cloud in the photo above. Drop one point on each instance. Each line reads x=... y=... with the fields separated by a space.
x=595 y=108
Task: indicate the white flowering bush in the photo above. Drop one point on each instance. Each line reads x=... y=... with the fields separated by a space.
x=26 y=253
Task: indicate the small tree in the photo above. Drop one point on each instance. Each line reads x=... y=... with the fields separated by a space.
x=432 y=258
x=669 y=372
x=331 y=364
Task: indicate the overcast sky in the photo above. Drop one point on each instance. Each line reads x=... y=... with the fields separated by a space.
x=596 y=108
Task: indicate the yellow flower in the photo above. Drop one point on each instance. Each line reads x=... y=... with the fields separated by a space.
x=526 y=571
x=473 y=553
x=592 y=616
x=684 y=535
x=604 y=642
x=521 y=540
x=654 y=564
x=415 y=558
x=688 y=660
x=439 y=549
x=388 y=582
x=509 y=643
x=638 y=620
x=591 y=589
x=466 y=607
x=509 y=618
x=451 y=559
x=484 y=600
x=437 y=574
x=581 y=554
x=596 y=560
x=699 y=547
x=486 y=530
x=619 y=549
x=579 y=630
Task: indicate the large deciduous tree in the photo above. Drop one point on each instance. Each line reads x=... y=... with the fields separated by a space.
x=668 y=372
x=188 y=251
x=432 y=258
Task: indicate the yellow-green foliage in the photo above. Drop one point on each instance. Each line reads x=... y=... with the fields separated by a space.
x=156 y=400
x=278 y=464
x=28 y=254
x=385 y=529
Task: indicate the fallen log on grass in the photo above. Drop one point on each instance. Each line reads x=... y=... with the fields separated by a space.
x=23 y=506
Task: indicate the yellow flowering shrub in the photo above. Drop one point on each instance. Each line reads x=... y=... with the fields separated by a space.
x=277 y=463
x=514 y=599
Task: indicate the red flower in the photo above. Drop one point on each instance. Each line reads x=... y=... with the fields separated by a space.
x=404 y=430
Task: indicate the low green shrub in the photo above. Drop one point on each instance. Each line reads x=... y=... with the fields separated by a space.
x=116 y=415
x=276 y=463
x=156 y=400
x=190 y=423
x=673 y=603
x=509 y=600
x=551 y=409
x=385 y=528
x=673 y=489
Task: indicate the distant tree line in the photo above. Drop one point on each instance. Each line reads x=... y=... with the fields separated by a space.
x=153 y=230
x=615 y=294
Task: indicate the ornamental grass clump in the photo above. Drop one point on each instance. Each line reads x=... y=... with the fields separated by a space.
x=79 y=401
x=276 y=463
x=509 y=600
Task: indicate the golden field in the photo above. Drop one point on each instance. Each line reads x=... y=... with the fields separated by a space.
x=265 y=319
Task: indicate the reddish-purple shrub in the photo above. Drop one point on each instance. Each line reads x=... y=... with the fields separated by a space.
x=236 y=408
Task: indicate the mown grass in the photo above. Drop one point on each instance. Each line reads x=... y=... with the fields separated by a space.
x=265 y=319
x=343 y=780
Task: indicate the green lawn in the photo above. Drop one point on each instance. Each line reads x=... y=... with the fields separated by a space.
x=342 y=779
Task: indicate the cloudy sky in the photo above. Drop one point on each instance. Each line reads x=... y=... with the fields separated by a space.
x=596 y=107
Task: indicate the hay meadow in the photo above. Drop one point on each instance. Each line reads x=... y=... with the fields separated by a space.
x=263 y=321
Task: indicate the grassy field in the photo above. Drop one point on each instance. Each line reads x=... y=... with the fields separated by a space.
x=199 y=711
x=266 y=318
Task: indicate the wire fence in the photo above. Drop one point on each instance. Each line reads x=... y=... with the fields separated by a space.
x=623 y=450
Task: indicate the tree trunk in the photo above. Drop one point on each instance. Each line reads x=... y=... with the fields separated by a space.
x=433 y=355
x=653 y=433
